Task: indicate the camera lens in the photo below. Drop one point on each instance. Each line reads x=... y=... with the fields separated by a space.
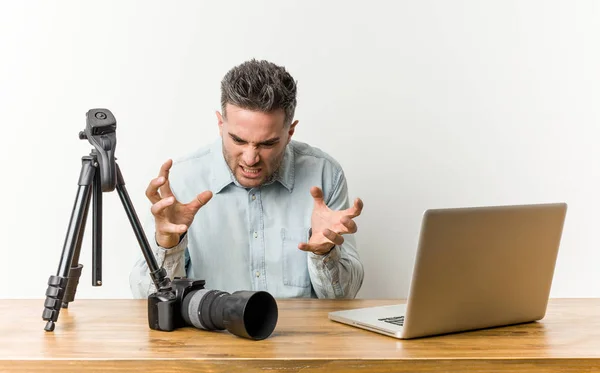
x=248 y=314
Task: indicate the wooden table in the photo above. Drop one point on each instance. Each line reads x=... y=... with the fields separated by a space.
x=113 y=335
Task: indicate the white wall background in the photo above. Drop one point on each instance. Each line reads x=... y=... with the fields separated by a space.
x=425 y=103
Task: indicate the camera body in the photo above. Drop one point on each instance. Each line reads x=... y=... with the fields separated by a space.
x=164 y=306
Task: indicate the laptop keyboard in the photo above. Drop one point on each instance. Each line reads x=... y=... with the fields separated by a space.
x=397 y=320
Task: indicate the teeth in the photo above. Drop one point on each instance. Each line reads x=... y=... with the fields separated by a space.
x=250 y=171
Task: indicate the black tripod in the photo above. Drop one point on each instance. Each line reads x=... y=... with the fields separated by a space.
x=99 y=173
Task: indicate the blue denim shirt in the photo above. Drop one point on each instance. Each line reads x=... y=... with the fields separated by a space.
x=247 y=239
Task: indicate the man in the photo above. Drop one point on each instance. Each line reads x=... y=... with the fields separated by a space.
x=255 y=210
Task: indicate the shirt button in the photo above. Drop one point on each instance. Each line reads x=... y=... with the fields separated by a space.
x=257 y=274
x=255 y=235
x=253 y=197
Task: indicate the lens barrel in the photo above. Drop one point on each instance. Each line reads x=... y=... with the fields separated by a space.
x=248 y=314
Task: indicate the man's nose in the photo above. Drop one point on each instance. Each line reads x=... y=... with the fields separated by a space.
x=251 y=157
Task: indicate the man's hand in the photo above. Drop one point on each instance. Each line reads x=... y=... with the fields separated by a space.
x=328 y=226
x=172 y=218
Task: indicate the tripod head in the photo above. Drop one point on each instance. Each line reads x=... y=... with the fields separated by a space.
x=100 y=131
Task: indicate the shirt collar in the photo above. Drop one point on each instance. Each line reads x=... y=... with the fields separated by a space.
x=222 y=175
x=285 y=176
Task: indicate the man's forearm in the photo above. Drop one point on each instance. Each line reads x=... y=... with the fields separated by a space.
x=172 y=260
x=338 y=274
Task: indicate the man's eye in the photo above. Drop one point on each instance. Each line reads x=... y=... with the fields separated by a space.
x=269 y=145
x=238 y=141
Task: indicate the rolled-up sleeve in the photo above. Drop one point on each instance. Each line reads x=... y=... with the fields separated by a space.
x=172 y=260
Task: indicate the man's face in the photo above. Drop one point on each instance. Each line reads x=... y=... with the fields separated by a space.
x=254 y=143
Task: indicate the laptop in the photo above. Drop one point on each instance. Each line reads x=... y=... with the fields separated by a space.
x=476 y=268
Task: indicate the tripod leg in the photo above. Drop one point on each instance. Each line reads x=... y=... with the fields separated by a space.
x=97 y=231
x=76 y=268
x=57 y=285
x=158 y=275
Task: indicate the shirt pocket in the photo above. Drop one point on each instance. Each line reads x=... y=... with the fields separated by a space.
x=295 y=262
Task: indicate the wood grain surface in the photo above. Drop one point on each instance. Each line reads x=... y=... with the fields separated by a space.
x=113 y=335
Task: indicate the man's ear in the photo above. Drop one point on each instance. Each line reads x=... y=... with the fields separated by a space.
x=291 y=130
x=220 y=122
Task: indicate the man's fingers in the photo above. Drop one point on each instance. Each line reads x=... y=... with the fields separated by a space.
x=152 y=190
x=159 y=206
x=319 y=249
x=164 y=169
x=160 y=183
x=333 y=237
x=165 y=189
x=356 y=209
x=317 y=194
x=349 y=224
x=200 y=200
x=306 y=247
x=327 y=238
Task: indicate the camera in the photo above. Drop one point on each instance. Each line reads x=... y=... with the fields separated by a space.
x=248 y=314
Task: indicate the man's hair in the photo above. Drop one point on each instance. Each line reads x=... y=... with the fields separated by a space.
x=259 y=86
